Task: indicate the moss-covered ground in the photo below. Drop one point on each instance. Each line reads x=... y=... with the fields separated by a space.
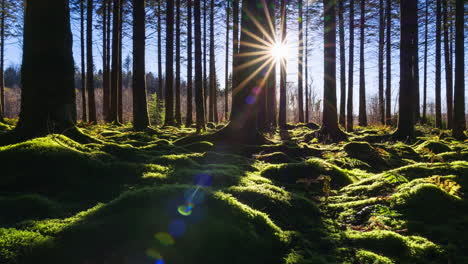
x=142 y=197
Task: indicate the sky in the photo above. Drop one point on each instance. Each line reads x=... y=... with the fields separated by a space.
x=315 y=58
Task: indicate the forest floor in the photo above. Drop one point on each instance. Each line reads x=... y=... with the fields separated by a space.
x=135 y=197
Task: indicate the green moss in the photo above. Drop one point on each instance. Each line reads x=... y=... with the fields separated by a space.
x=27 y=206
x=434 y=146
x=127 y=227
x=365 y=152
x=275 y=157
x=289 y=173
x=369 y=257
x=421 y=170
x=201 y=146
x=15 y=244
x=407 y=249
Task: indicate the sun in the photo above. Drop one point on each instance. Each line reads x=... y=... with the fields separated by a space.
x=279 y=51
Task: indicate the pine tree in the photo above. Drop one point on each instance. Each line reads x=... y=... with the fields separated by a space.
x=189 y=119
x=169 y=117
x=362 y=72
x=438 y=66
x=300 y=66
x=90 y=63
x=342 y=64
x=350 y=117
x=282 y=103
x=459 y=122
x=199 y=104
x=178 y=115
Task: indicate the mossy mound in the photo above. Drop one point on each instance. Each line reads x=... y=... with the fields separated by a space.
x=433 y=146
x=275 y=158
x=17 y=208
x=290 y=173
x=403 y=249
x=369 y=257
x=200 y=146
x=365 y=152
x=144 y=226
x=421 y=170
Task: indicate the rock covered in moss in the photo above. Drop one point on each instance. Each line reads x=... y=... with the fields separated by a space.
x=365 y=152
x=433 y=146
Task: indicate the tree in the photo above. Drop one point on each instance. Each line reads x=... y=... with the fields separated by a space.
x=306 y=75
x=84 y=115
x=388 y=60
x=169 y=118
x=189 y=119
x=362 y=72
x=282 y=106
x=300 y=66
x=178 y=116
x=438 y=66
x=213 y=114
x=119 y=65
x=235 y=44
x=90 y=63
x=342 y=64
x=350 y=119
x=160 y=77
x=408 y=57
x=330 y=127
x=381 y=63
x=140 y=110
x=200 y=112
x=47 y=104
x=459 y=122
x=114 y=113
x=270 y=109
x=226 y=66
x=448 y=68
x=206 y=89
x=105 y=65
x=424 y=117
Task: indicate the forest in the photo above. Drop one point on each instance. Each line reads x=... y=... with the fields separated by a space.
x=233 y=131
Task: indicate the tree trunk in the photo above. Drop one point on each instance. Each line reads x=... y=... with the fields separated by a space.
x=84 y=114
x=388 y=83
x=424 y=117
x=189 y=119
x=306 y=75
x=213 y=95
x=47 y=104
x=448 y=68
x=120 y=79
x=350 y=117
x=160 y=77
x=2 y=59
x=114 y=114
x=381 y=62
x=206 y=89
x=438 y=66
x=169 y=121
x=140 y=110
x=342 y=64
x=226 y=66
x=362 y=71
x=459 y=122
x=200 y=112
x=105 y=73
x=90 y=63
x=282 y=106
x=178 y=116
x=300 y=80
x=417 y=102
x=330 y=116
x=235 y=46
x=408 y=56
x=270 y=107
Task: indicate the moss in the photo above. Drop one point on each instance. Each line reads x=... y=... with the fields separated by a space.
x=289 y=173
x=421 y=170
x=15 y=244
x=27 y=206
x=275 y=157
x=406 y=249
x=434 y=146
x=126 y=228
x=220 y=174
x=201 y=146
x=365 y=152
x=369 y=257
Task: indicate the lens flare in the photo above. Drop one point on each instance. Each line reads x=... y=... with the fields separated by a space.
x=153 y=253
x=279 y=51
x=185 y=209
x=177 y=228
x=165 y=238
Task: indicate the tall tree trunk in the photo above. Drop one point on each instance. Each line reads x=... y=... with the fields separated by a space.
x=206 y=89
x=300 y=80
x=306 y=75
x=90 y=63
x=226 y=66
x=270 y=106
x=140 y=108
x=381 y=62
x=189 y=119
x=2 y=52
x=417 y=102
x=438 y=66
x=160 y=77
x=169 y=121
x=350 y=116
x=109 y=43
x=47 y=104
x=424 y=117
x=342 y=119
x=330 y=116
x=362 y=71
x=200 y=112
x=282 y=106
x=408 y=57
x=235 y=46
x=459 y=122
x=114 y=114
x=213 y=96
x=388 y=83
x=120 y=80
x=84 y=114
x=105 y=73
x=448 y=68
x=178 y=116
